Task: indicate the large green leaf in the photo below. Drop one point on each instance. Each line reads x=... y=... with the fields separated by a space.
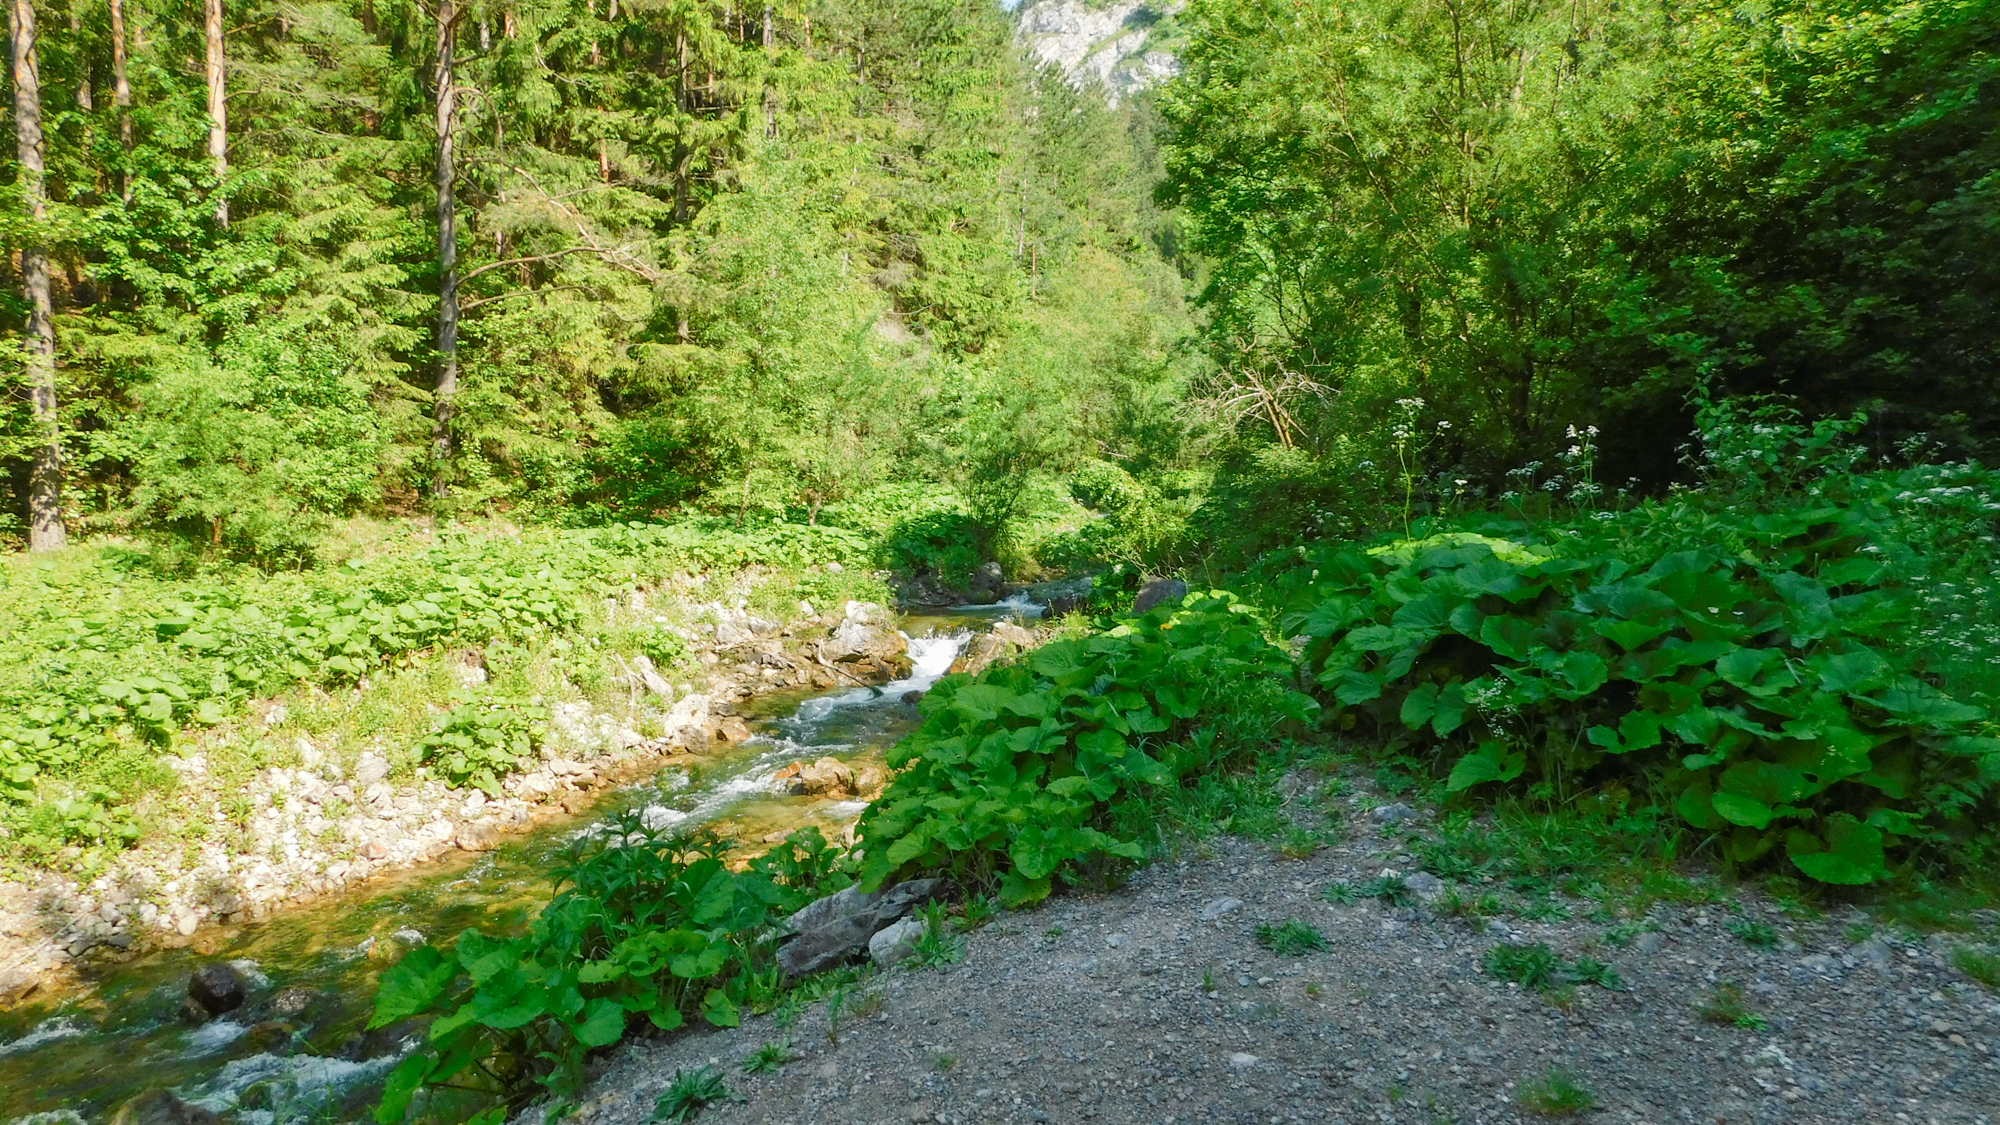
x=411 y=986
x=1851 y=853
x=1489 y=761
x=603 y=1023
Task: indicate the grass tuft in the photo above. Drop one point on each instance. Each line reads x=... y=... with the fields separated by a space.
x=1293 y=939
x=689 y=1093
x=1557 y=1094
x=767 y=1058
x=1729 y=1006
x=1979 y=964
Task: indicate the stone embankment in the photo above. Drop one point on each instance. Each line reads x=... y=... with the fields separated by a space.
x=322 y=825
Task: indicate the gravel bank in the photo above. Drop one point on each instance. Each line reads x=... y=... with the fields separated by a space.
x=1155 y=1004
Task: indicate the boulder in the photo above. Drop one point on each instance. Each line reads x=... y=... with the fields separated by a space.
x=650 y=678
x=1062 y=605
x=869 y=613
x=479 y=835
x=732 y=728
x=1013 y=634
x=896 y=941
x=834 y=928
x=855 y=641
x=216 y=988
x=827 y=776
x=686 y=725
x=161 y=1107
x=980 y=653
x=1158 y=592
x=17 y=984
x=987 y=584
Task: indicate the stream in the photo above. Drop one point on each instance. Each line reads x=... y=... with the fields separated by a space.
x=297 y=1050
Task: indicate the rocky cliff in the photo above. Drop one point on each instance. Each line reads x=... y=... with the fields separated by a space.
x=1123 y=45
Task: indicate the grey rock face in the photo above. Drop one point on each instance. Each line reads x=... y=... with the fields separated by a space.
x=1159 y=592
x=834 y=928
x=986 y=584
x=895 y=942
x=1392 y=814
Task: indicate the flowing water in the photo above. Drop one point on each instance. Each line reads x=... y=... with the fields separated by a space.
x=298 y=1051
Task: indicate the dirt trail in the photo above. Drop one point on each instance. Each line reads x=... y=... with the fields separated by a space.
x=1156 y=1005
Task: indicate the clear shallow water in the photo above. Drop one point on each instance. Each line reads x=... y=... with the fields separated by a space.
x=78 y=1057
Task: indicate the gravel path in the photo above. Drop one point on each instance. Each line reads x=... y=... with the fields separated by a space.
x=1100 y=1008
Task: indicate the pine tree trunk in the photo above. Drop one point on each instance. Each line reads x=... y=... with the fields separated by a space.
x=218 y=110
x=121 y=96
x=447 y=222
x=45 y=526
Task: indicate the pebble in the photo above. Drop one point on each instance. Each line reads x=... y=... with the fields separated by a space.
x=1219 y=907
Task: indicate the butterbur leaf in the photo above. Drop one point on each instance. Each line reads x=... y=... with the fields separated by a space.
x=603 y=1023
x=719 y=1010
x=411 y=986
x=1738 y=809
x=403 y=1083
x=1696 y=808
x=1419 y=706
x=1490 y=761
x=1850 y=855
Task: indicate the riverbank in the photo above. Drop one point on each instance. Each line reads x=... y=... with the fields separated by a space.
x=1165 y=1003
x=347 y=802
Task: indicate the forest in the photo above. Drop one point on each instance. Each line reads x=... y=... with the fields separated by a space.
x=1579 y=409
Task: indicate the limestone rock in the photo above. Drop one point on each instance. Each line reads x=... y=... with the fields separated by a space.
x=1159 y=592
x=369 y=769
x=834 y=928
x=896 y=941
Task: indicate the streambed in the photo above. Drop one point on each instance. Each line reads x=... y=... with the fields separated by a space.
x=297 y=1050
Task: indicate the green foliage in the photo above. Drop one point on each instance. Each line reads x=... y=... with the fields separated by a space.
x=1607 y=207
x=1052 y=767
x=1292 y=939
x=1538 y=967
x=1556 y=1094
x=1743 y=661
x=690 y=1092
x=1756 y=935
x=1390 y=889
x=768 y=1059
x=647 y=927
x=938 y=948
x=1979 y=964
x=100 y=658
x=480 y=741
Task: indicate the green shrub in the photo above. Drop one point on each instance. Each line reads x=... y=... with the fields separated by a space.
x=648 y=927
x=1761 y=688
x=481 y=741
x=1054 y=766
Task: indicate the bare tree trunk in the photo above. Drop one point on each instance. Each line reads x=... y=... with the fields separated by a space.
x=45 y=526
x=447 y=223
x=121 y=95
x=218 y=110
x=85 y=97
